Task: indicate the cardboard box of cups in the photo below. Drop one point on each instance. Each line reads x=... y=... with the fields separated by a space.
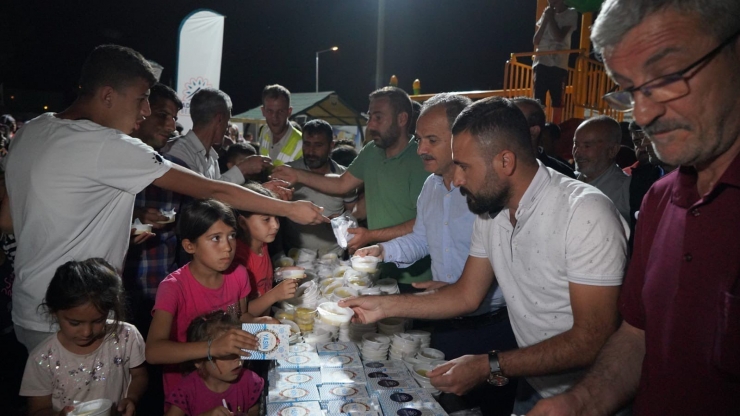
x=330 y=378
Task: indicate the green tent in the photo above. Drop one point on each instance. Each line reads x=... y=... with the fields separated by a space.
x=324 y=105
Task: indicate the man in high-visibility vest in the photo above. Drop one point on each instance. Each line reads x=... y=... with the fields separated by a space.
x=280 y=140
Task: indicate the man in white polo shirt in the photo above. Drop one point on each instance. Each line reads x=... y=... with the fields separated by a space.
x=556 y=247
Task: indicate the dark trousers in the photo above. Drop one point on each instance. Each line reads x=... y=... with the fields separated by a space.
x=475 y=335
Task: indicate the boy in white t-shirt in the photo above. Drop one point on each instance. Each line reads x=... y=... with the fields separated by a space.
x=72 y=178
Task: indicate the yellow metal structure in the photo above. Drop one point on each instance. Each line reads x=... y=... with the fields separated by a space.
x=587 y=81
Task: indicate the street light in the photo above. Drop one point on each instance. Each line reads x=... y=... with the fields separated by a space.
x=333 y=48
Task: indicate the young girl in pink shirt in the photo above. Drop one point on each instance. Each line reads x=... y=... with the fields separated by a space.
x=218 y=386
x=255 y=232
x=207 y=229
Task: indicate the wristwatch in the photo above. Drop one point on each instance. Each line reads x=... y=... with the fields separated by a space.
x=497 y=377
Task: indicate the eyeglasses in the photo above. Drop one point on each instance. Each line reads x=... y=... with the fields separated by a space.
x=665 y=88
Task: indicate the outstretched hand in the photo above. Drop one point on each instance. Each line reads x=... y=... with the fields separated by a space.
x=281 y=188
x=285 y=173
x=305 y=212
x=367 y=308
x=360 y=238
x=375 y=251
x=254 y=164
x=461 y=374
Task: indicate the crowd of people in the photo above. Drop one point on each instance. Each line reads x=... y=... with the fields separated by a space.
x=592 y=288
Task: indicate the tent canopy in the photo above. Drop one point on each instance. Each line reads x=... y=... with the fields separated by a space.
x=324 y=105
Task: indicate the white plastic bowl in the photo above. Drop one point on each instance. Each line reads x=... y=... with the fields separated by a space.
x=368 y=264
x=333 y=314
x=430 y=355
x=284 y=262
x=421 y=370
x=343 y=293
x=291 y=273
x=99 y=407
x=375 y=341
x=141 y=228
x=294 y=329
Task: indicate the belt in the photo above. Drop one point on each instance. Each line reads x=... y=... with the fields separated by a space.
x=491 y=317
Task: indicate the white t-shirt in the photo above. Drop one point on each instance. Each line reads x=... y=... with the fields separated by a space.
x=72 y=186
x=548 y=42
x=102 y=374
x=566 y=231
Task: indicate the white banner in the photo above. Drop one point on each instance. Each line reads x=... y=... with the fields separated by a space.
x=198 y=57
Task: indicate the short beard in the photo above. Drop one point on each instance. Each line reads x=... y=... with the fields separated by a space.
x=389 y=138
x=315 y=163
x=492 y=200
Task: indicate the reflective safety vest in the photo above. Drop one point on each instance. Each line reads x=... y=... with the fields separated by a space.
x=292 y=148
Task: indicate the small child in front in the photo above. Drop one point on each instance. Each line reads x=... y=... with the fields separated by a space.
x=215 y=381
x=91 y=357
x=208 y=283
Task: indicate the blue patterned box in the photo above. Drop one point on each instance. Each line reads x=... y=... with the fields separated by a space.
x=272 y=341
x=348 y=375
x=343 y=391
x=301 y=347
x=342 y=360
x=391 y=383
x=301 y=361
x=295 y=409
x=355 y=413
x=383 y=366
x=296 y=378
x=387 y=373
x=293 y=393
x=336 y=347
x=409 y=402
x=352 y=405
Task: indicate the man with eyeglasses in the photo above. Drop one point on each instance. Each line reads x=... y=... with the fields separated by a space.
x=678 y=349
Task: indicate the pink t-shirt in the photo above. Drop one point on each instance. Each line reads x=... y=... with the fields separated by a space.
x=186 y=299
x=193 y=397
x=258 y=267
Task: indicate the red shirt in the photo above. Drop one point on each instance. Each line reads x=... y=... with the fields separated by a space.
x=628 y=170
x=682 y=288
x=259 y=268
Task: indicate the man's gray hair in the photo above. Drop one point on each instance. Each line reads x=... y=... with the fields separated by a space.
x=207 y=103
x=453 y=104
x=610 y=128
x=720 y=18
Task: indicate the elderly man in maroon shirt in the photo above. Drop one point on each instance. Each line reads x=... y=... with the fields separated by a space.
x=678 y=349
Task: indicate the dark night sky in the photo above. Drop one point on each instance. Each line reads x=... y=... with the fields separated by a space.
x=449 y=45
